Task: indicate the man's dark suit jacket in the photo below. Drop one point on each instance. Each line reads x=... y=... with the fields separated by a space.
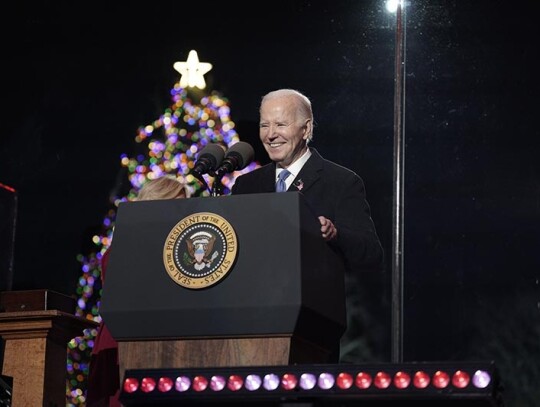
x=338 y=194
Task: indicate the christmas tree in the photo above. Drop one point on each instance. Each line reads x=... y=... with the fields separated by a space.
x=167 y=146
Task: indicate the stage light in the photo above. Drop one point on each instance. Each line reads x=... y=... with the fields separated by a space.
x=271 y=382
x=402 y=380
x=200 y=383
x=165 y=384
x=326 y=381
x=341 y=383
x=148 y=384
x=289 y=381
x=363 y=380
x=344 y=380
x=253 y=382
x=421 y=379
x=307 y=381
x=181 y=384
x=382 y=380
x=461 y=379
x=235 y=382
x=131 y=385
x=481 y=379
x=217 y=383
x=441 y=379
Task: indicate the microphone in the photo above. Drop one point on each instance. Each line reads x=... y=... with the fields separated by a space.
x=210 y=157
x=236 y=158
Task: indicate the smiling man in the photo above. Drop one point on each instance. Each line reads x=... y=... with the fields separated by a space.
x=335 y=193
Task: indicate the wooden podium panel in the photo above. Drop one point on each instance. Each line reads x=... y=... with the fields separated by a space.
x=35 y=354
x=188 y=353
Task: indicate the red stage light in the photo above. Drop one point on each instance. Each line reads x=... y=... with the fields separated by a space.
x=441 y=379
x=235 y=382
x=421 y=380
x=382 y=380
x=402 y=380
x=200 y=383
x=344 y=381
x=289 y=381
x=363 y=380
x=165 y=384
x=148 y=384
x=131 y=385
x=461 y=379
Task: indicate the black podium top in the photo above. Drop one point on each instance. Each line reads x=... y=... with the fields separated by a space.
x=277 y=274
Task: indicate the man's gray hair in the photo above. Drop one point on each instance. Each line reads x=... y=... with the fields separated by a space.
x=302 y=102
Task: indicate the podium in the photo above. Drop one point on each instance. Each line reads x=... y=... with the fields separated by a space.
x=36 y=340
x=277 y=297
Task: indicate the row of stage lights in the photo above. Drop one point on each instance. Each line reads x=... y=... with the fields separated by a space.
x=420 y=380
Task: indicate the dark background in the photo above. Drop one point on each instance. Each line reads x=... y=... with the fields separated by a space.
x=79 y=79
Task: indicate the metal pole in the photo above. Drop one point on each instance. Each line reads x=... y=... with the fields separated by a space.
x=399 y=164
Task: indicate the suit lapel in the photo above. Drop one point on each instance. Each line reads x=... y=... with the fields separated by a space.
x=269 y=178
x=309 y=174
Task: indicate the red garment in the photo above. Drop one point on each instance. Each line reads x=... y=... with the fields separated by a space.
x=104 y=372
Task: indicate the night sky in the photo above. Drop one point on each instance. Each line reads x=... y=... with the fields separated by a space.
x=78 y=81
x=81 y=81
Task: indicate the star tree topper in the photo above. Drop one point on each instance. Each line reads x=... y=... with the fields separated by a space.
x=192 y=71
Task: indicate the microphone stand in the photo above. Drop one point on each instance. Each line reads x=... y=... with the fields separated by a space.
x=201 y=179
x=217 y=185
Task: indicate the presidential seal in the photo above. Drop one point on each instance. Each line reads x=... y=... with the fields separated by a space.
x=200 y=250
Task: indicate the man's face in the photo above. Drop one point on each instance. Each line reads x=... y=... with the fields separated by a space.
x=282 y=130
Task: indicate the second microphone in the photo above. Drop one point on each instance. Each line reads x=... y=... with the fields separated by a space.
x=213 y=160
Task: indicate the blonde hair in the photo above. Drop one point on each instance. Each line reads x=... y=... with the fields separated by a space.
x=164 y=187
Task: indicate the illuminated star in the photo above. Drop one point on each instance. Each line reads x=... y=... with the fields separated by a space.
x=192 y=71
